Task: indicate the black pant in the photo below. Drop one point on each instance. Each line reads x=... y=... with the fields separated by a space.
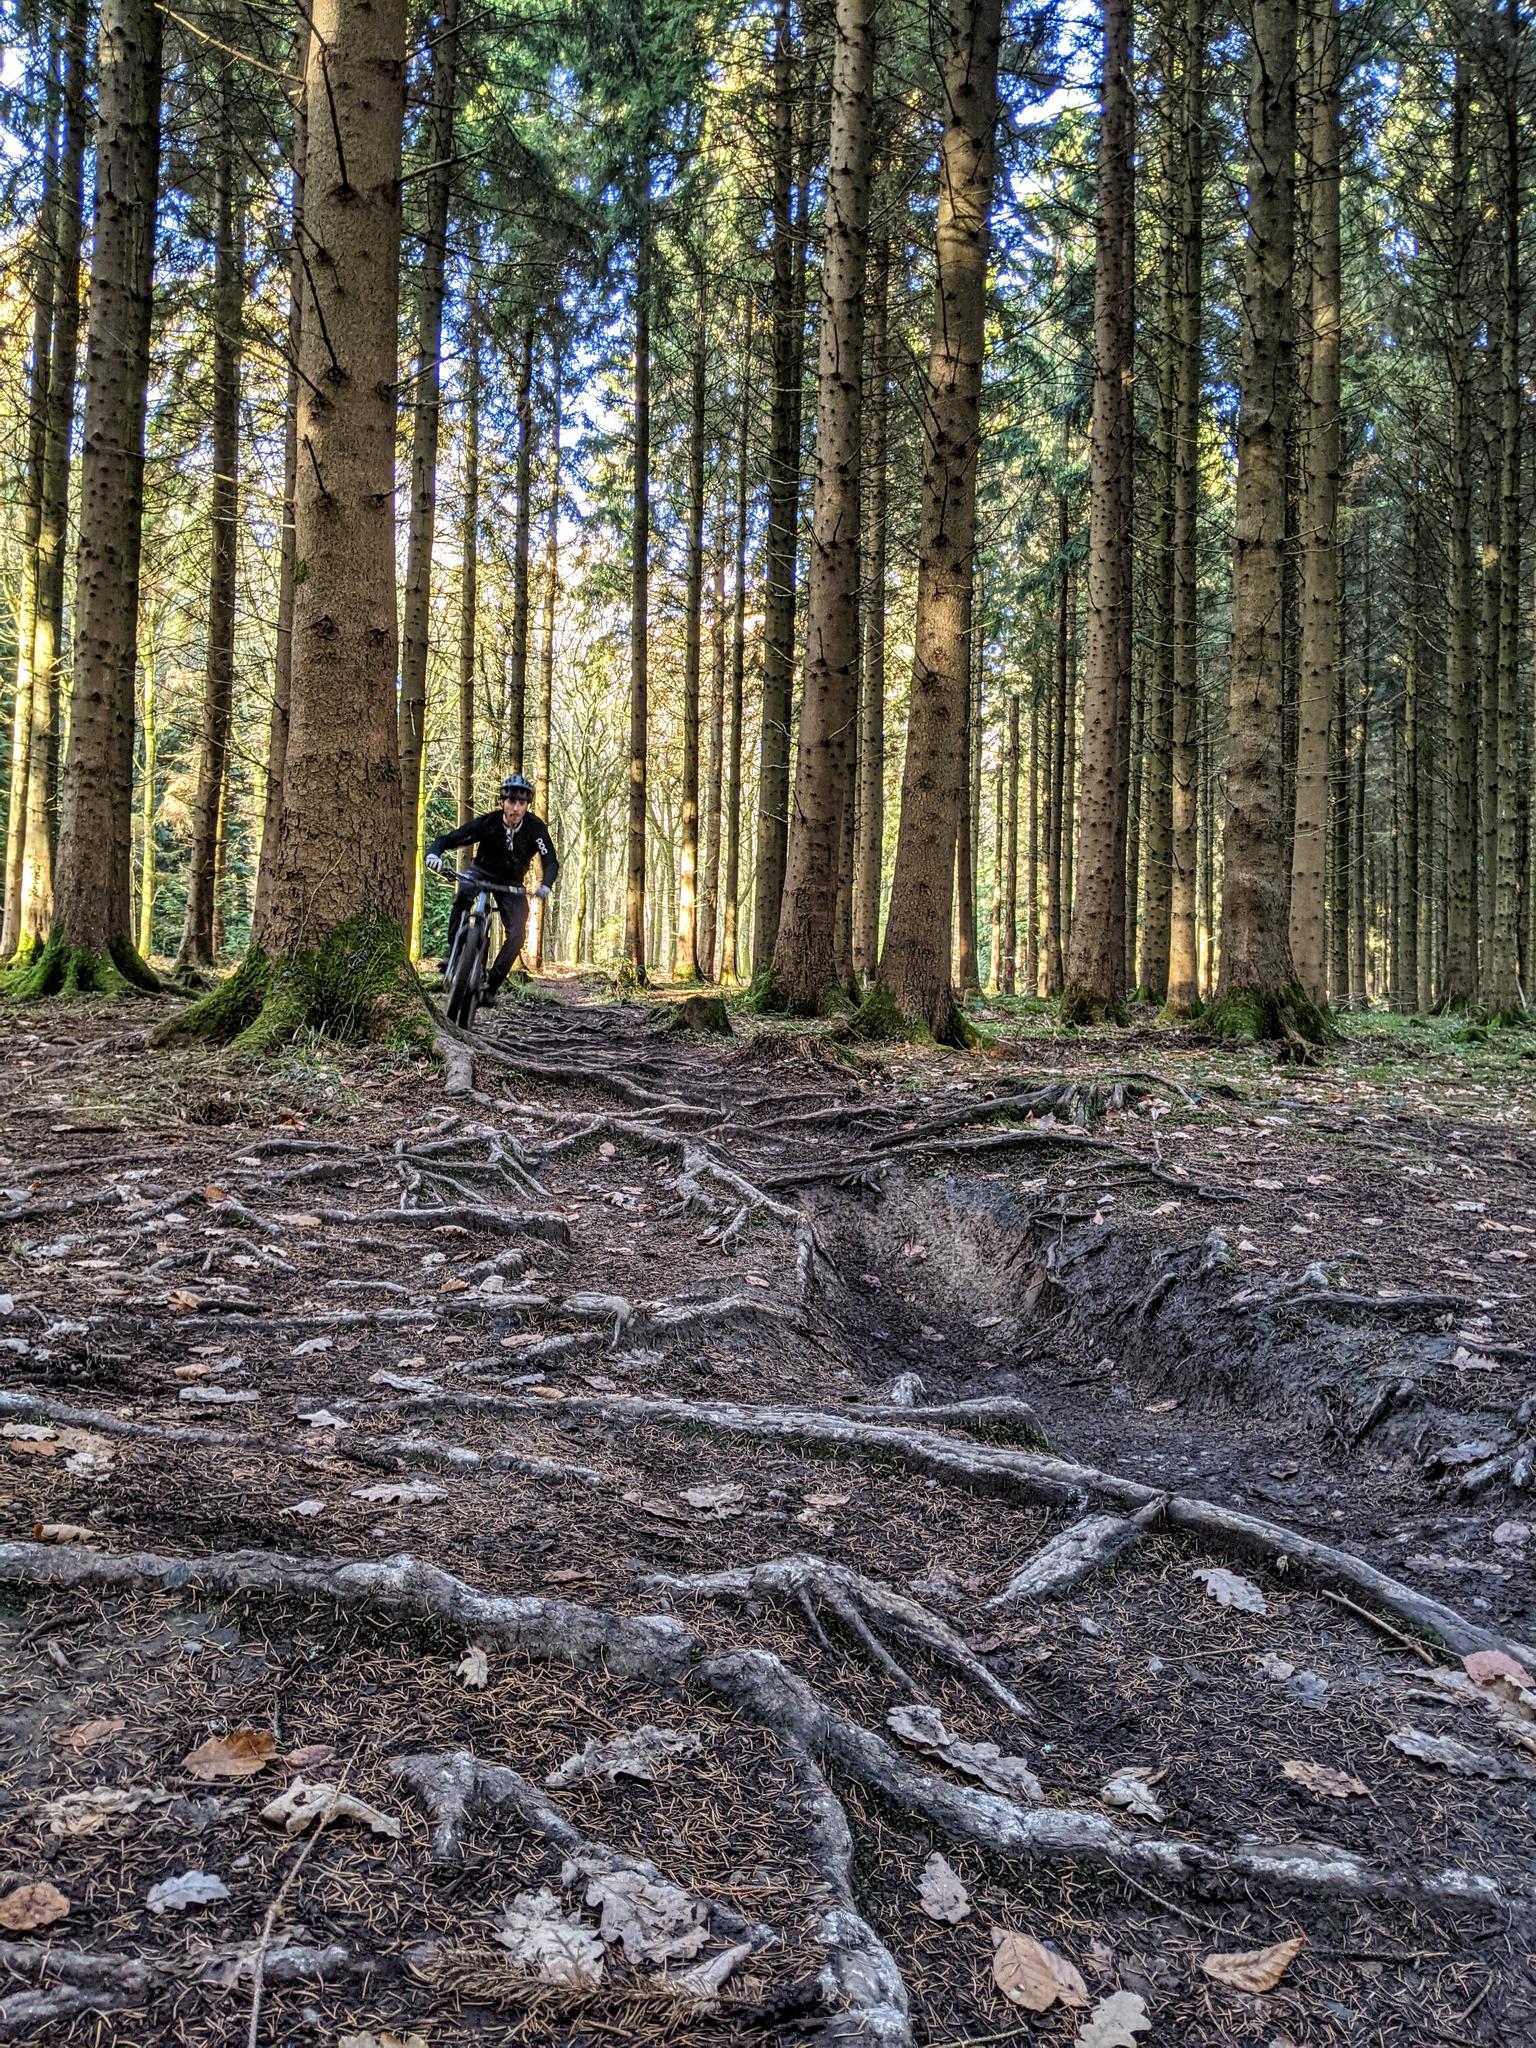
x=513 y=906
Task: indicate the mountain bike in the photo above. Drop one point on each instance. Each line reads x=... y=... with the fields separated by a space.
x=464 y=978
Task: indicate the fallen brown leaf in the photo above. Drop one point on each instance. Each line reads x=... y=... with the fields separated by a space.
x=1321 y=1780
x=1258 y=1969
x=239 y=1754
x=31 y=1906
x=92 y=1731
x=1031 y=1975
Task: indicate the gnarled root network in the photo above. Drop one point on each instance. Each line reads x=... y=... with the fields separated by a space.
x=860 y=1604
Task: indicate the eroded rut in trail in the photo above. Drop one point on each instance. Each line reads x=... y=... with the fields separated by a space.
x=436 y=1450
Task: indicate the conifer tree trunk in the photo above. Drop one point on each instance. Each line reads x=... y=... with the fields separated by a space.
x=1060 y=827
x=1257 y=994
x=197 y=935
x=639 y=601
x=1184 y=760
x=1319 y=500
x=714 y=776
x=1157 y=713
x=967 y=973
x=804 y=970
x=915 y=960
x=330 y=948
x=522 y=546
x=91 y=944
x=728 y=966
x=1032 y=865
x=1359 y=757
x=416 y=619
x=871 y=809
x=282 y=668
x=1096 y=979
x=469 y=550
x=783 y=506
x=546 y=914
x=1460 y=972
x=35 y=888
x=685 y=960
x=1008 y=968
x=1405 y=873
x=148 y=804
x=1500 y=995
x=21 y=765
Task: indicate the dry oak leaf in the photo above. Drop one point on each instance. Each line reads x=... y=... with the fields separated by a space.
x=303 y=1803
x=941 y=1893
x=401 y=1492
x=62 y=1532
x=1031 y=1975
x=388 y=2039
x=239 y=1754
x=191 y=1888
x=653 y=1921
x=88 y=1732
x=311 y=1756
x=31 y=1906
x=1114 y=2022
x=474 y=1668
x=1132 y=1789
x=1230 y=1589
x=1485 y=1667
x=722 y=1500
x=550 y=1943
x=1321 y=1780
x=634 y=1754
x=923 y=1726
x=1258 y=1969
x=215 y=1194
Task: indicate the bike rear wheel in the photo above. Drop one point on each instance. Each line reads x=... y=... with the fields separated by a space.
x=463 y=976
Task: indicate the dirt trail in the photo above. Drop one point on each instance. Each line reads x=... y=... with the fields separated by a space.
x=833 y=1413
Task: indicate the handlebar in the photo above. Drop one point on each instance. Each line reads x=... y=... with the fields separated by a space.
x=475 y=878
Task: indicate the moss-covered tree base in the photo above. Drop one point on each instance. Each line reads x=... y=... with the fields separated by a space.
x=357 y=985
x=1081 y=1005
x=1286 y=1016
x=61 y=969
x=880 y=1020
x=1179 y=1013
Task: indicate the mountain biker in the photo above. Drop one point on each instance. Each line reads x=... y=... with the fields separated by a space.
x=505 y=842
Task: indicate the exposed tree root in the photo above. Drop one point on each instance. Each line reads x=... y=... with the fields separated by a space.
x=659 y=1651
x=1076 y=1553
x=356 y=985
x=1035 y=1477
x=452 y=1786
x=72 y=1981
x=62 y=969
x=861 y=1604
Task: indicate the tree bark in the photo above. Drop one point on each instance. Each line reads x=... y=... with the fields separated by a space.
x=1156 y=808
x=685 y=960
x=1500 y=995
x=469 y=550
x=44 y=280
x=1257 y=994
x=639 y=601
x=1008 y=970
x=714 y=776
x=783 y=506
x=522 y=544
x=967 y=972
x=871 y=833
x=805 y=967
x=1059 y=830
x=1359 y=839
x=1096 y=965
x=416 y=620
x=544 y=733
x=91 y=943
x=197 y=932
x=36 y=883
x=728 y=965
x=1460 y=976
x=914 y=975
x=282 y=669
x=1032 y=867
x=1319 y=500
x=340 y=829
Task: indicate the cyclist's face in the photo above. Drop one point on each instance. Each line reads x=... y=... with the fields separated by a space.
x=514 y=809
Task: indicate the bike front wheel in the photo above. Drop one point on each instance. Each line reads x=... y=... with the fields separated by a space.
x=463 y=977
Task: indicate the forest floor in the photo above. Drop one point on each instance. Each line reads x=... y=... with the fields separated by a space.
x=559 y=1546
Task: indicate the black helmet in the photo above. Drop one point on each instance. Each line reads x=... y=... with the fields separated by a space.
x=517 y=785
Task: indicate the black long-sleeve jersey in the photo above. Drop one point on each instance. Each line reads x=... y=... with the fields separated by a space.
x=502 y=853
